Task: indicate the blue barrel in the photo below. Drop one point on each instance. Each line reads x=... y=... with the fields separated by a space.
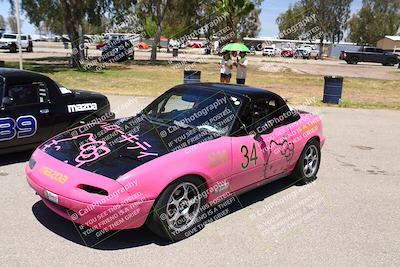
x=333 y=90
x=191 y=76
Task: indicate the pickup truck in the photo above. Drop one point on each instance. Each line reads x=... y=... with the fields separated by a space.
x=9 y=41
x=370 y=54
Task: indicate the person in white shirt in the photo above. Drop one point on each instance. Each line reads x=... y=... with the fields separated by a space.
x=241 y=64
x=226 y=65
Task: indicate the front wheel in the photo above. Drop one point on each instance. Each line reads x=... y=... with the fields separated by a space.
x=13 y=48
x=308 y=164
x=176 y=215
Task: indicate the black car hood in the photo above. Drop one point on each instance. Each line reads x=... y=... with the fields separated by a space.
x=114 y=148
x=86 y=95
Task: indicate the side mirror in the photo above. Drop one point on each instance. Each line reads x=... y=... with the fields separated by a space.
x=8 y=101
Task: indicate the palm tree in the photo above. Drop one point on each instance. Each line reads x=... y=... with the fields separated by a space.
x=233 y=11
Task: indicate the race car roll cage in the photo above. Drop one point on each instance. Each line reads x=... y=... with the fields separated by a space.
x=4 y=101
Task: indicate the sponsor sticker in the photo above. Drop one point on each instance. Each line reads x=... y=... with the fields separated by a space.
x=54 y=175
x=82 y=107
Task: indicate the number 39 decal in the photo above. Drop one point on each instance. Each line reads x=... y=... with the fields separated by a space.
x=23 y=127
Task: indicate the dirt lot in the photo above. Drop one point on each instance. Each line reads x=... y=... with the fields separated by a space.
x=348 y=217
x=275 y=64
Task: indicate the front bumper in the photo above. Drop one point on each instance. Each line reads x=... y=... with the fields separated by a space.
x=116 y=210
x=96 y=216
x=4 y=46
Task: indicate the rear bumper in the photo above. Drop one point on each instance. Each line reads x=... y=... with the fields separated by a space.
x=124 y=215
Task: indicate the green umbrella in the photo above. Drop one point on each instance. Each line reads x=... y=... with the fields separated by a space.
x=236 y=47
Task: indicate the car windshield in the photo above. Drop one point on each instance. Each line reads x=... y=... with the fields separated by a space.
x=208 y=110
x=9 y=36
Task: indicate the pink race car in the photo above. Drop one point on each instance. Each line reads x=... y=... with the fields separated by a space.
x=193 y=147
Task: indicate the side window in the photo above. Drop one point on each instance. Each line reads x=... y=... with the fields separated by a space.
x=279 y=113
x=43 y=92
x=378 y=50
x=23 y=37
x=370 y=50
x=256 y=115
x=24 y=94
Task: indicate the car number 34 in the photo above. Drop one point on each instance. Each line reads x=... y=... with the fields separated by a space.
x=23 y=127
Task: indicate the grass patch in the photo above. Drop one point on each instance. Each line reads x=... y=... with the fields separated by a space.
x=144 y=79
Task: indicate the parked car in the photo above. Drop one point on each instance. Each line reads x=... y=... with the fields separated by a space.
x=287 y=52
x=370 y=54
x=118 y=51
x=191 y=148
x=306 y=52
x=9 y=41
x=269 y=51
x=312 y=52
x=195 y=44
x=100 y=45
x=302 y=53
x=33 y=107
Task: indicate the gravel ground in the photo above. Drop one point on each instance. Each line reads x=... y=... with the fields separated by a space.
x=275 y=64
x=348 y=217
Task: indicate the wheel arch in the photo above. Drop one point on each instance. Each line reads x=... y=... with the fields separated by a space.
x=200 y=177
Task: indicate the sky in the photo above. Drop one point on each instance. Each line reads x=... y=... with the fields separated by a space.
x=270 y=11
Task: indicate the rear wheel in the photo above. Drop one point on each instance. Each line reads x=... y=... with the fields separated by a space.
x=354 y=60
x=176 y=215
x=308 y=164
x=391 y=62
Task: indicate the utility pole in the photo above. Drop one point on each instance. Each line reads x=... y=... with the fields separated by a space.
x=19 y=34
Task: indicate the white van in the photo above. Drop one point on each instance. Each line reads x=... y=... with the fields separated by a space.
x=9 y=41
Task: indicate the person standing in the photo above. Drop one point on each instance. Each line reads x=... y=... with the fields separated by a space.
x=226 y=65
x=241 y=65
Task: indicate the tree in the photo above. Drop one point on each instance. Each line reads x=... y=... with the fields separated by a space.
x=289 y=19
x=12 y=23
x=341 y=15
x=331 y=17
x=2 y=23
x=72 y=14
x=157 y=9
x=376 y=19
x=234 y=11
x=250 y=25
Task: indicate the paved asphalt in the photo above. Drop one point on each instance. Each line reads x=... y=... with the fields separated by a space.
x=349 y=217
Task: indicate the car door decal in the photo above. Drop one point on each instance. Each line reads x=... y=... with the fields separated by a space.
x=7 y=129
x=23 y=127
x=26 y=126
x=286 y=149
x=244 y=150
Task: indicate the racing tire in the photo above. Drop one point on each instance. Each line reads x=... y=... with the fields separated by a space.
x=354 y=60
x=390 y=63
x=173 y=208
x=13 y=48
x=308 y=164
